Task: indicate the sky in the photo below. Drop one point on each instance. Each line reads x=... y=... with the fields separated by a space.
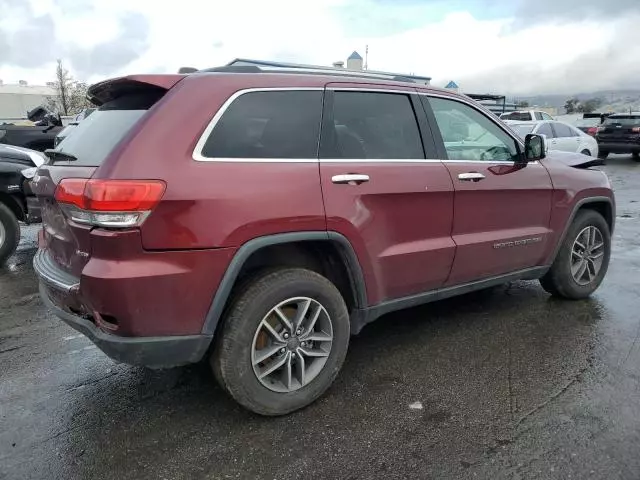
x=514 y=47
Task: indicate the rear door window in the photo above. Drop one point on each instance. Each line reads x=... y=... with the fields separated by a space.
x=268 y=124
x=98 y=134
x=545 y=129
x=562 y=130
x=372 y=125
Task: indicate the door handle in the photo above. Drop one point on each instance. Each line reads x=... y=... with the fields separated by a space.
x=350 y=178
x=470 y=177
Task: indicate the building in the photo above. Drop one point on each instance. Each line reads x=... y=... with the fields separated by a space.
x=17 y=99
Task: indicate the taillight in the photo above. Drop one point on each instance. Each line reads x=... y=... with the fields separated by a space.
x=592 y=130
x=635 y=129
x=109 y=203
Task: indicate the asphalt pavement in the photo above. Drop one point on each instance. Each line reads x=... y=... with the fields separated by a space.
x=507 y=383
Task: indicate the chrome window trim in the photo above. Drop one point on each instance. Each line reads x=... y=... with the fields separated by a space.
x=197 y=151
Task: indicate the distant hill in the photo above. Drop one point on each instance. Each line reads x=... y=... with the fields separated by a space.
x=613 y=100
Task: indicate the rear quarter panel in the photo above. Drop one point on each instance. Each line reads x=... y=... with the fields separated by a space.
x=571 y=187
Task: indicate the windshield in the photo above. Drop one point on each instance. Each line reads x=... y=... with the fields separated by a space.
x=96 y=136
x=522 y=116
x=522 y=130
x=625 y=121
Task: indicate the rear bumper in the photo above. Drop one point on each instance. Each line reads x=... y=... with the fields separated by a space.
x=618 y=147
x=151 y=352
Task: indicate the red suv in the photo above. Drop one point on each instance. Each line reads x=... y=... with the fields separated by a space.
x=258 y=219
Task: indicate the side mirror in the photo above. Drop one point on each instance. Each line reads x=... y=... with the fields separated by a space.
x=534 y=148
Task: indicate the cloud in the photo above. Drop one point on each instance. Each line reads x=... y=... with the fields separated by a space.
x=129 y=43
x=501 y=46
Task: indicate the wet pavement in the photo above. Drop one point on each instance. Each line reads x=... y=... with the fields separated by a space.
x=507 y=383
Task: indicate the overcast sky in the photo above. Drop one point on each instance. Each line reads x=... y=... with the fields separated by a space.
x=506 y=46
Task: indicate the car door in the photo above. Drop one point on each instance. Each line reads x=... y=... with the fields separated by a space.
x=502 y=206
x=385 y=190
x=566 y=141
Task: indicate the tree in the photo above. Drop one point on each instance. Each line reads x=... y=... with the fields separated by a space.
x=571 y=105
x=523 y=104
x=591 y=105
x=71 y=95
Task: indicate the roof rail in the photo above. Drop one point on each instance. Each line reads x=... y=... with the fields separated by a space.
x=240 y=65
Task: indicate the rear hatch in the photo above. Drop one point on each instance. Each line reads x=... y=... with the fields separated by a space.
x=620 y=128
x=123 y=104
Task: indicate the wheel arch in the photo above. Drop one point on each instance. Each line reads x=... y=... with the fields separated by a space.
x=294 y=249
x=603 y=205
x=14 y=204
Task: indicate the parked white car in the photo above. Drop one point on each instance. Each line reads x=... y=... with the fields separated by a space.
x=526 y=116
x=559 y=136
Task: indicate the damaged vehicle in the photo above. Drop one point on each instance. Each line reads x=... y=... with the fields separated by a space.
x=40 y=136
x=17 y=200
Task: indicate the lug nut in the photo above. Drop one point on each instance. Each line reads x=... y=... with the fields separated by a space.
x=299 y=331
x=286 y=335
x=282 y=350
x=303 y=344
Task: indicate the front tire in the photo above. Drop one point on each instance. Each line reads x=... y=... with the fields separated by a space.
x=283 y=341
x=583 y=259
x=9 y=233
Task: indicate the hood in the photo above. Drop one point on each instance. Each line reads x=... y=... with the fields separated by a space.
x=575 y=160
x=19 y=153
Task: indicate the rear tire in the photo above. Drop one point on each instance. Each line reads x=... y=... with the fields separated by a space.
x=9 y=233
x=564 y=279
x=252 y=328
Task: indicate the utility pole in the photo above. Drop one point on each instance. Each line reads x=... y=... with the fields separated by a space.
x=366 y=58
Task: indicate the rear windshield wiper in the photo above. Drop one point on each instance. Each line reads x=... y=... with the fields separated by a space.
x=55 y=155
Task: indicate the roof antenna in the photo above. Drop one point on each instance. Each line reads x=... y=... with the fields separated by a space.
x=366 y=58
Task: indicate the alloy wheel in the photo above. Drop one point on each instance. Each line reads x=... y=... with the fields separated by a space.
x=292 y=344
x=587 y=255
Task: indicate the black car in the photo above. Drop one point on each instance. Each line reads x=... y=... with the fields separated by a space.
x=17 y=201
x=38 y=137
x=620 y=133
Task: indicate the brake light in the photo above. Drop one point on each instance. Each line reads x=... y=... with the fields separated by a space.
x=635 y=129
x=592 y=130
x=109 y=203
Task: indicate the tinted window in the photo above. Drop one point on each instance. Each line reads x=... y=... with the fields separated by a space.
x=97 y=135
x=470 y=135
x=545 y=129
x=624 y=120
x=277 y=124
x=372 y=125
x=588 y=122
x=562 y=130
x=518 y=116
x=539 y=116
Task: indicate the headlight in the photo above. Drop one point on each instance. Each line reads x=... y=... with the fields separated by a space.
x=29 y=172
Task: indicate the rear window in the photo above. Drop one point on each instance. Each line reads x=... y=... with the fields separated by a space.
x=98 y=134
x=269 y=124
x=519 y=116
x=625 y=121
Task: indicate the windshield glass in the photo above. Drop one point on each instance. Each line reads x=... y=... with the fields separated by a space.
x=522 y=130
x=625 y=121
x=522 y=116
